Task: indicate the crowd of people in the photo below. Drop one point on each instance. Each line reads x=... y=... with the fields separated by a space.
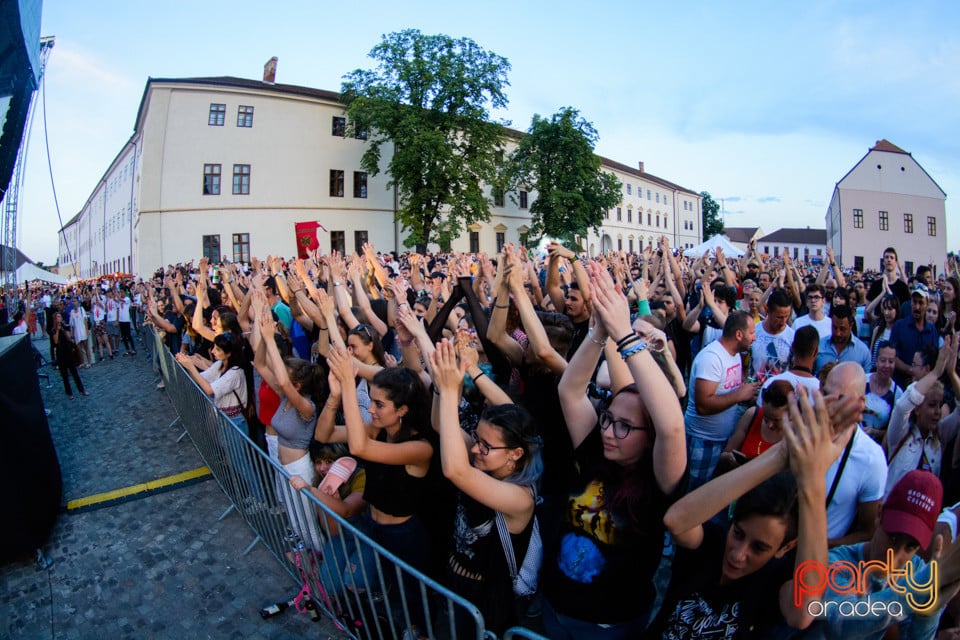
x=685 y=438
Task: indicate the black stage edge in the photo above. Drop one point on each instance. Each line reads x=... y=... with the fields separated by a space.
x=29 y=468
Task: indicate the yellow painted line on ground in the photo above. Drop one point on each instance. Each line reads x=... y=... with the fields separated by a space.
x=153 y=485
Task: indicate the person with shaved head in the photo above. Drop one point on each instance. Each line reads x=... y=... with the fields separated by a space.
x=856 y=481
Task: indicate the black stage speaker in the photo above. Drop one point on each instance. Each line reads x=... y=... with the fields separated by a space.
x=29 y=468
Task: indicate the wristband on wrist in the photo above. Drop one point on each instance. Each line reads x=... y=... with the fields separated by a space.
x=405 y=343
x=625 y=339
x=574 y=258
x=477 y=377
x=633 y=349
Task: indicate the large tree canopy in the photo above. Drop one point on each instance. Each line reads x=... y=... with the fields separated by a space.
x=556 y=160
x=430 y=96
x=712 y=223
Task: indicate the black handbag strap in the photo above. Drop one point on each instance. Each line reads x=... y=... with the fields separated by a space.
x=843 y=463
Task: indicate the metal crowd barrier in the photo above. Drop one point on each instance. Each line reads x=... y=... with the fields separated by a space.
x=311 y=542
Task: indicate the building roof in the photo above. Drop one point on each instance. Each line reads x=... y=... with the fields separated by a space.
x=333 y=96
x=740 y=234
x=612 y=164
x=886 y=145
x=797 y=236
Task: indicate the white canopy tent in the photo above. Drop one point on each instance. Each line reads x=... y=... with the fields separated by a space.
x=29 y=272
x=710 y=245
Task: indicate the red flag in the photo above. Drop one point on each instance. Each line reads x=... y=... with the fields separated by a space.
x=306 y=237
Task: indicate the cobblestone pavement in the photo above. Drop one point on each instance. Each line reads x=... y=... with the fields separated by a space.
x=162 y=566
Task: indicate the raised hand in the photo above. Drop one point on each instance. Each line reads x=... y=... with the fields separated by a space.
x=609 y=303
x=808 y=431
x=557 y=250
x=266 y=323
x=341 y=365
x=325 y=303
x=408 y=321
x=464 y=344
x=447 y=374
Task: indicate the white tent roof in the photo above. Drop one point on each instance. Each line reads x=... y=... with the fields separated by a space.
x=716 y=241
x=29 y=272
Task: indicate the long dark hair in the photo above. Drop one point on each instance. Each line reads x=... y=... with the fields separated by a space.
x=954 y=306
x=632 y=489
x=311 y=377
x=368 y=335
x=405 y=389
x=238 y=355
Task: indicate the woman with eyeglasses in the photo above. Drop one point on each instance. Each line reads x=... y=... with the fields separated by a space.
x=496 y=469
x=397 y=449
x=606 y=571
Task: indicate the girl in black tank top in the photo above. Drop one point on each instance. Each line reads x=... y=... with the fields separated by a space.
x=397 y=456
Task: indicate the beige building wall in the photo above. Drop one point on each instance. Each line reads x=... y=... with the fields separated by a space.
x=149 y=209
x=894 y=184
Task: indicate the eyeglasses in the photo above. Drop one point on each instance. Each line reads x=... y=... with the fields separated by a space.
x=814 y=297
x=621 y=428
x=484 y=446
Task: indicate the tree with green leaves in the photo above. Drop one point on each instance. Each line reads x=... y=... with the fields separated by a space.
x=556 y=160
x=430 y=96
x=712 y=222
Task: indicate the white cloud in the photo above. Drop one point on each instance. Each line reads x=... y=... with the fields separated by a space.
x=89 y=70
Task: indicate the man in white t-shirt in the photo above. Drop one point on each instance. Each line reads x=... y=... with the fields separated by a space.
x=803 y=352
x=815 y=316
x=853 y=500
x=770 y=352
x=717 y=387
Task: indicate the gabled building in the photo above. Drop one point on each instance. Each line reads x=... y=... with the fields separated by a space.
x=887 y=200
x=800 y=244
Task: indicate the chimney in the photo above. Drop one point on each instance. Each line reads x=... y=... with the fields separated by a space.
x=270 y=70
x=640 y=165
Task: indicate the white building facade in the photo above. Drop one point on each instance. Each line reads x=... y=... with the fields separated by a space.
x=887 y=200
x=227 y=166
x=806 y=245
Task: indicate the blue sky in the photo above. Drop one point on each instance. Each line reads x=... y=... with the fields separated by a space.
x=764 y=105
